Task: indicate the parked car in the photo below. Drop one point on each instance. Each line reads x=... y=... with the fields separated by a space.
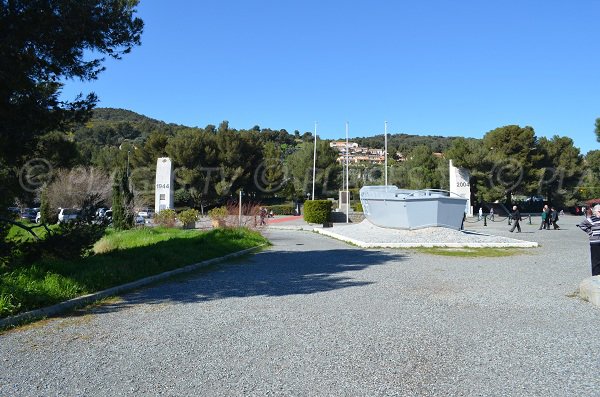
x=67 y=215
x=140 y=220
x=29 y=214
x=146 y=213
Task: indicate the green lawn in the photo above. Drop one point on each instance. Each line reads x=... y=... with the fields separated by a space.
x=471 y=252
x=120 y=257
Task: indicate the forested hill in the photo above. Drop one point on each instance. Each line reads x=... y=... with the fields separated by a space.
x=110 y=127
x=405 y=142
x=112 y=115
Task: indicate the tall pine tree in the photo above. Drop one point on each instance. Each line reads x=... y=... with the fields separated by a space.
x=122 y=202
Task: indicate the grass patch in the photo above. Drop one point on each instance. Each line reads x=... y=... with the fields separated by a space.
x=470 y=252
x=16 y=233
x=120 y=257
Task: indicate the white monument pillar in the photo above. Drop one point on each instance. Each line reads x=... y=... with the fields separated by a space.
x=163 y=196
x=459 y=184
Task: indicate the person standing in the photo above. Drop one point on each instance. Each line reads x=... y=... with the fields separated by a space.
x=554 y=218
x=492 y=213
x=544 y=217
x=591 y=225
x=480 y=213
x=516 y=217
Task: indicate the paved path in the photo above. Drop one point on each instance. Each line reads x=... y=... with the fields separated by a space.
x=313 y=316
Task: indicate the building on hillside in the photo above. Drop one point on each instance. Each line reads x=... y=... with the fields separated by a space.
x=356 y=153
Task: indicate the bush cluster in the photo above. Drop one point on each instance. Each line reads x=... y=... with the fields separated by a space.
x=166 y=218
x=281 y=209
x=317 y=211
x=188 y=216
x=357 y=207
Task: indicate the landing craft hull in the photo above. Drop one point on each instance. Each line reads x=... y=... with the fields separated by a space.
x=390 y=207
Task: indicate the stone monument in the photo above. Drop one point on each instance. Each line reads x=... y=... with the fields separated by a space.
x=459 y=184
x=163 y=196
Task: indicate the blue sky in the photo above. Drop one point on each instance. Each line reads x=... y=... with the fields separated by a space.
x=452 y=68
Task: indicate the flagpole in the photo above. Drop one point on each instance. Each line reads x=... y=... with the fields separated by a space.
x=386 y=155
x=314 y=163
x=347 y=170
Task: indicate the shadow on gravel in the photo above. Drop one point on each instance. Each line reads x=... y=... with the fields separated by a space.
x=265 y=274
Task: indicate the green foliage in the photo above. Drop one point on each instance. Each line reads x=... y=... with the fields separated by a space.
x=273 y=173
x=358 y=207
x=47 y=214
x=122 y=202
x=41 y=48
x=300 y=166
x=317 y=211
x=139 y=253
x=218 y=213
x=422 y=169
x=597 y=130
x=65 y=241
x=166 y=218
x=188 y=216
x=590 y=183
x=281 y=209
x=562 y=167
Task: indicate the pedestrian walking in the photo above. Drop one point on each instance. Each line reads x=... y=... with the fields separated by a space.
x=263 y=215
x=554 y=218
x=480 y=214
x=544 y=217
x=516 y=217
x=492 y=213
x=591 y=225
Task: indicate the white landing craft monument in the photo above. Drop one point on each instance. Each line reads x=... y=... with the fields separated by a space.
x=163 y=190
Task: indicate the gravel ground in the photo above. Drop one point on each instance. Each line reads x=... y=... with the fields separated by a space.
x=314 y=316
x=367 y=235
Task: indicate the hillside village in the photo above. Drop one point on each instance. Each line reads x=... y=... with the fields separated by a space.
x=360 y=154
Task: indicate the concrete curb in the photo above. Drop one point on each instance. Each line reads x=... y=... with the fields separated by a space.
x=90 y=298
x=362 y=244
x=589 y=290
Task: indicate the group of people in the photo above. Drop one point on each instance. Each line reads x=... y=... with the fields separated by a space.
x=590 y=225
x=549 y=217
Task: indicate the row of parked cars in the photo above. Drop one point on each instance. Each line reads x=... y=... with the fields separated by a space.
x=72 y=214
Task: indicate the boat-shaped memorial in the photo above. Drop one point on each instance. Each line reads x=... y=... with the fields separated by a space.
x=392 y=207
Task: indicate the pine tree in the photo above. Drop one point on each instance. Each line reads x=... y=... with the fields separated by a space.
x=46 y=214
x=122 y=202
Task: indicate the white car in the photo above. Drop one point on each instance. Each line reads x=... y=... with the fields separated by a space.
x=67 y=215
x=146 y=213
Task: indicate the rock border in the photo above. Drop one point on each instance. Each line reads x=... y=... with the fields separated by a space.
x=362 y=244
x=589 y=290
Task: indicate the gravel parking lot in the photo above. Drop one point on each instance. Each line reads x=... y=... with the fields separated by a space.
x=314 y=316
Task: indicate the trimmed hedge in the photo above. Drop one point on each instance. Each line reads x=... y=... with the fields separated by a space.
x=281 y=209
x=317 y=211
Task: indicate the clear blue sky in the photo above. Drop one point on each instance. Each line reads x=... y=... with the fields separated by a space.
x=452 y=68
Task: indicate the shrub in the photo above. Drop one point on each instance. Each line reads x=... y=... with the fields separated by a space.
x=358 y=207
x=70 y=240
x=317 y=211
x=283 y=209
x=218 y=213
x=166 y=218
x=188 y=216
